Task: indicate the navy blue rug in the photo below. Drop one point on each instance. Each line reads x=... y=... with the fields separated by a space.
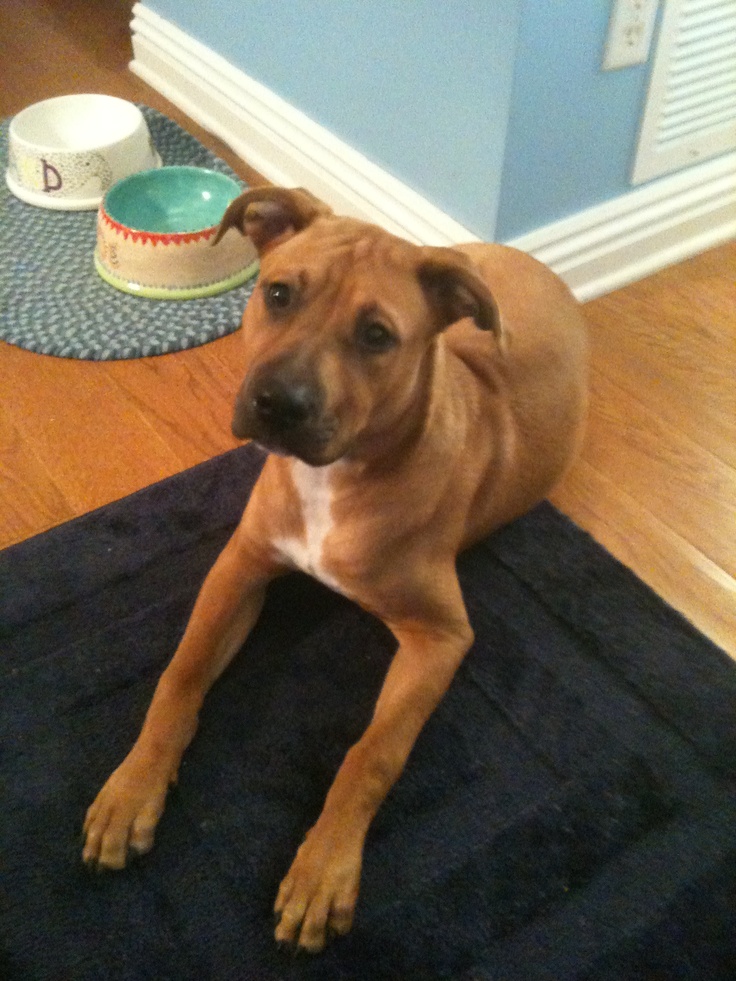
x=569 y=812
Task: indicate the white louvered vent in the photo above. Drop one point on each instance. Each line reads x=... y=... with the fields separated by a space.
x=690 y=113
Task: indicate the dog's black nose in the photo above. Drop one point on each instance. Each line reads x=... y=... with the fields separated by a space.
x=281 y=407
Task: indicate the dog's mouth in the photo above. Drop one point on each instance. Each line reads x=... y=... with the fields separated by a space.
x=317 y=452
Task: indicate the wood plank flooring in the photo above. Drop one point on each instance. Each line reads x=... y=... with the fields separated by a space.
x=655 y=484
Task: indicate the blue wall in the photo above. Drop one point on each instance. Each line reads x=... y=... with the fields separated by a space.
x=494 y=110
x=572 y=129
x=420 y=87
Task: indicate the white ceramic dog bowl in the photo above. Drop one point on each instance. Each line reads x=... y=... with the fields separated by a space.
x=65 y=153
x=155 y=232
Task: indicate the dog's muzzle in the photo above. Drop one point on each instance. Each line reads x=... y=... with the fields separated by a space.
x=283 y=413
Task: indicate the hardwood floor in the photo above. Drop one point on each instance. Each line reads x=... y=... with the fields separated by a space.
x=656 y=482
x=75 y=435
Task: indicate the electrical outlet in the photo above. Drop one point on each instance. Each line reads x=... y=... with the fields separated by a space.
x=630 y=32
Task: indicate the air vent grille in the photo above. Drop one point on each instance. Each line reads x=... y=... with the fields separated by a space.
x=690 y=113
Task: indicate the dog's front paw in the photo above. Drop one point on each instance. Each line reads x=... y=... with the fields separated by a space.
x=317 y=898
x=122 y=820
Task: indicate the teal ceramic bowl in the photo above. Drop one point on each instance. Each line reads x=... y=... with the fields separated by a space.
x=171 y=199
x=155 y=232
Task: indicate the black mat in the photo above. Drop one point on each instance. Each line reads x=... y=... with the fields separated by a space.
x=53 y=302
x=568 y=813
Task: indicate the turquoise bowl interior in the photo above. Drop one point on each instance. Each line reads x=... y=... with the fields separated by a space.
x=171 y=199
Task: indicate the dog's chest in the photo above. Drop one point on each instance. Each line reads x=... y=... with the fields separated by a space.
x=313 y=487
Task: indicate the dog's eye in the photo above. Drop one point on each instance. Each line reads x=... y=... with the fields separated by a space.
x=373 y=336
x=278 y=296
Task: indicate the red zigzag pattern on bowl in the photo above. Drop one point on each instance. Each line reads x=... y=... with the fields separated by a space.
x=159 y=238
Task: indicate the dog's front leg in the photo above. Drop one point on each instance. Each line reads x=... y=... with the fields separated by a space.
x=318 y=896
x=123 y=818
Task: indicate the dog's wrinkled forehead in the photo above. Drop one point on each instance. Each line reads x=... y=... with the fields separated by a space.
x=345 y=259
x=347 y=243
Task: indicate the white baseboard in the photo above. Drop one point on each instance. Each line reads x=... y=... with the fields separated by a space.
x=616 y=243
x=594 y=251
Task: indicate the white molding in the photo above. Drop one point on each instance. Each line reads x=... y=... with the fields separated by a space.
x=595 y=251
x=622 y=240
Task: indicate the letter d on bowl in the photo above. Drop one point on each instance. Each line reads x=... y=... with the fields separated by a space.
x=50 y=172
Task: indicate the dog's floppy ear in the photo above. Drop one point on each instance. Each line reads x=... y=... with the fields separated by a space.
x=268 y=215
x=455 y=290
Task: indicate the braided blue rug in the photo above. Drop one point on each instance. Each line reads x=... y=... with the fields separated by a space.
x=568 y=813
x=53 y=302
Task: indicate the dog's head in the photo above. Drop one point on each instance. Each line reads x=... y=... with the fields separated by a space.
x=341 y=330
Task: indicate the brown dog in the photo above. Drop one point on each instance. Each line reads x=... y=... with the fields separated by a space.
x=400 y=433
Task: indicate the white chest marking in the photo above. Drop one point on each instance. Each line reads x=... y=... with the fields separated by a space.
x=313 y=487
